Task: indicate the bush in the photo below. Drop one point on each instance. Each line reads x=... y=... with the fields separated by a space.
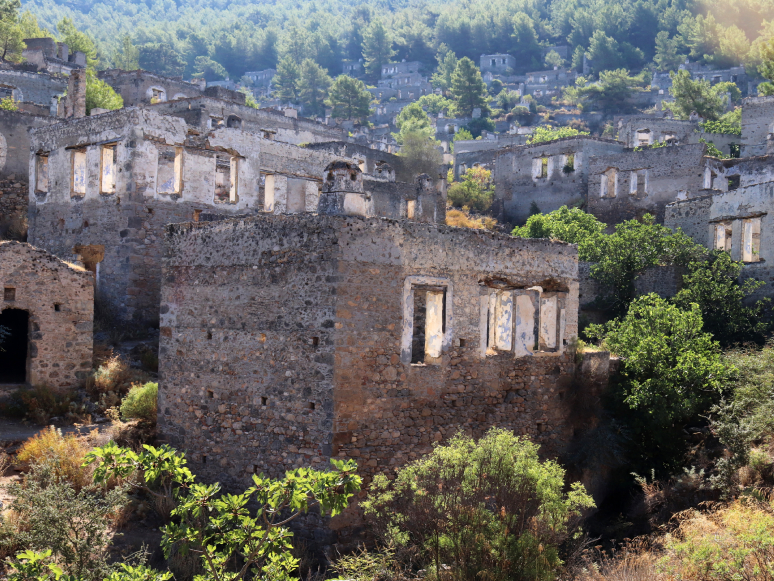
x=489 y=509
x=73 y=524
x=566 y=224
x=65 y=454
x=463 y=219
x=141 y=402
x=735 y=542
x=39 y=403
x=113 y=375
x=475 y=191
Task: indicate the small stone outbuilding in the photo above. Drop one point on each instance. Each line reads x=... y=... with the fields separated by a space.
x=47 y=312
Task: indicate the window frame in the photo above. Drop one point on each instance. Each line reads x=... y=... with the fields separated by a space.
x=422 y=283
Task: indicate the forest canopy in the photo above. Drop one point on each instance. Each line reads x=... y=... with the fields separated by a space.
x=220 y=37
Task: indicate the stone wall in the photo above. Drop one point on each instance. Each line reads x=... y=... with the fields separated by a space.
x=39 y=88
x=60 y=301
x=757 y=125
x=645 y=181
x=367 y=158
x=519 y=180
x=161 y=175
x=692 y=216
x=286 y=340
x=141 y=87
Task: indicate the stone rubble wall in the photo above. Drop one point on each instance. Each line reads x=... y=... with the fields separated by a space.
x=60 y=346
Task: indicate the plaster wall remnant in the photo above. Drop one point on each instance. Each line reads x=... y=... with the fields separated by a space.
x=143 y=88
x=627 y=185
x=49 y=307
x=757 y=126
x=159 y=173
x=381 y=324
x=536 y=173
x=646 y=130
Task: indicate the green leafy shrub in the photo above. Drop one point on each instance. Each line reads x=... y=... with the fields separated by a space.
x=545 y=133
x=475 y=191
x=488 y=509
x=236 y=535
x=141 y=402
x=565 y=224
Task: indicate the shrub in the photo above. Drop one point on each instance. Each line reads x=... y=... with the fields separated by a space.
x=735 y=542
x=489 y=509
x=565 y=224
x=475 y=191
x=73 y=524
x=141 y=402
x=113 y=375
x=231 y=539
x=65 y=454
x=463 y=219
x=39 y=403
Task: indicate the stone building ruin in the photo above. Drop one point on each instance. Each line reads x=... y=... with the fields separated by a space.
x=48 y=309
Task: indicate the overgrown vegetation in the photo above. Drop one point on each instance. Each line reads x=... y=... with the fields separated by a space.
x=475 y=191
x=141 y=402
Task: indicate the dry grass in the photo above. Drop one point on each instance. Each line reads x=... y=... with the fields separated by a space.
x=462 y=219
x=633 y=562
x=65 y=452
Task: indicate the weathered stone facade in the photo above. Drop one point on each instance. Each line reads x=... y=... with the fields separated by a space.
x=104 y=187
x=628 y=185
x=644 y=130
x=550 y=174
x=143 y=88
x=287 y=340
x=48 y=307
x=757 y=126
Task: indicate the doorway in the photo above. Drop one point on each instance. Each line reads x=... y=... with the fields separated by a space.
x=13 y=349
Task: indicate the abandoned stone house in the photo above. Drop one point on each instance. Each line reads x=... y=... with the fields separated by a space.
x=144 y=88
x=290 y=339
x=549 y=175
x=645 y=130
x=47 y=310
x=628 y=185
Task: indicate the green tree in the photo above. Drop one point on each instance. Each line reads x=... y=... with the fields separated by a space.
x=633 y=247
x=713 y=284
x=553 y=60
x=236 y=535
x=128 y=57
x=8 y=104
x=161 y=58
x=447 y=64
x=672 y=368
x=11 y=40
x=729 y=123
x=698 y=96
x=377 y=47
x=208 y=69
x=349 y=99
x=566 y=224
x=435 y=104
x=419 y=155
x=491 y=509
x=668 y=56
x=475 y=191
x=766 y=68
x=313 y=86
x=525 y=48
x=543 y=133
x=78 y=41
x=613 y=91
x=285 y=81
x=468 y=89
x=412 y=119
x=100 y=95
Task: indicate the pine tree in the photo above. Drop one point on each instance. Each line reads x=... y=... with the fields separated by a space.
x=349 y=99
x=377 y=47
x=468 y=89
x=286 y=80
x=313 y=86
x=447 y=63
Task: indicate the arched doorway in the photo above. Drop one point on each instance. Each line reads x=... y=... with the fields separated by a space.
x=13 y=349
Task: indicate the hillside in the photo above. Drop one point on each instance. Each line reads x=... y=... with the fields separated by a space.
x=241 y=37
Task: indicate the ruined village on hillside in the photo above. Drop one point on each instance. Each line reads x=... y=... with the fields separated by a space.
x=300 y=290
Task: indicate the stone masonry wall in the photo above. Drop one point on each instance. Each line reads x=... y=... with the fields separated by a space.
x=122 y=230
x=60 y=302
x=289 y=351
x=646 y=181
x=692 y=216
x=757 y=125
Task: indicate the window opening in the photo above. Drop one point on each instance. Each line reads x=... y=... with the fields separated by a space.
x=723 y=232
x=223 y=175
x=429 y=325
x=108 y=170
x=751 y=243
x=609 y=187
x=264 y=401
x=569 y=163
x=210 y=394
x=79 y=172
x=13 y=356
x=315 y=341
x=410 y=209
x=57 y=307
x=41 y=173
x=268 y=192
x=170 y=170
x=638 y=182
x=734 y=182
x=197 y=215
x=552 y=314
x=9 y=293
x=544 y=167
x=500 y=322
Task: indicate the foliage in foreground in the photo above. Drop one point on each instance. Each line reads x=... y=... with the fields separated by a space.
x=488 y=509
x=233 y=538
x=65 y=453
